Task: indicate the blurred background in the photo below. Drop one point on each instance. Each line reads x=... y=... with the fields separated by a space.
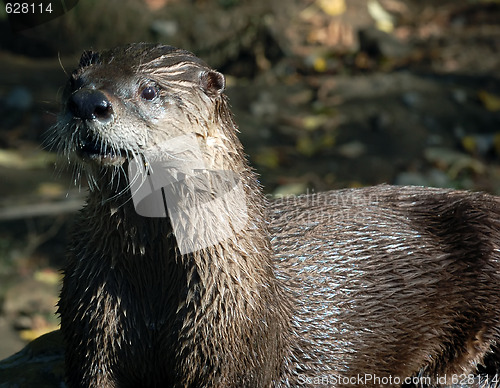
x=327 y=94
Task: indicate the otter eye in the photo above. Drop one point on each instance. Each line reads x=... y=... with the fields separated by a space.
x=149 y=93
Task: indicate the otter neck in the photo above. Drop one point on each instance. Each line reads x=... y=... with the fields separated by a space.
x=137 y=235
x=228 y=290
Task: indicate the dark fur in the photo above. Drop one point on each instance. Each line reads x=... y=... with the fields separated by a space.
x=388 y=281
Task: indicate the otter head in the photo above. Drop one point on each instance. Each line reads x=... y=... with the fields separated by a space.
x=131 y=101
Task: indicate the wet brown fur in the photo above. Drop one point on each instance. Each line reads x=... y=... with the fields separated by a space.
x=387 y=281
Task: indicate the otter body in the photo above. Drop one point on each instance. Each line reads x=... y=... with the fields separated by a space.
x=390 y=282
x=382 y=283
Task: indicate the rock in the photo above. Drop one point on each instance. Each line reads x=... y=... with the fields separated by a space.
x=432 y=178
x=412 y=99
x=264 y=106
x=290 y=189
x=353 y=149
x=165 y=29
x=19 y=98
x=40 y=364
x=408 y=178
x=459 y=96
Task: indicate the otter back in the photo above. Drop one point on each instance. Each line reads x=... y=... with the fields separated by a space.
x=391 y=282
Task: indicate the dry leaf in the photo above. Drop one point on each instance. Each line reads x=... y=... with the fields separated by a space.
x=332 y=7
x=490 y=101
x=383 y=19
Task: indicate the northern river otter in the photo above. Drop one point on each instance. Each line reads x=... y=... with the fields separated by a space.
x=354 y=287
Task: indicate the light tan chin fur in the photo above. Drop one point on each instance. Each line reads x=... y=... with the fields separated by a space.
x=109 y=161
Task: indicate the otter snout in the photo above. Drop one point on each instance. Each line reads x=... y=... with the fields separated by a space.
x=93 y=110
x=90 y=104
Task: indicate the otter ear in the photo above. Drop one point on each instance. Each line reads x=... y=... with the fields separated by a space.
x=212 y=82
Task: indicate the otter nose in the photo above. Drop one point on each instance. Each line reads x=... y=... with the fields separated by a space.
x=90 y=104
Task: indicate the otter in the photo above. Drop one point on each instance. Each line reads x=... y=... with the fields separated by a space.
x=195 y=279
